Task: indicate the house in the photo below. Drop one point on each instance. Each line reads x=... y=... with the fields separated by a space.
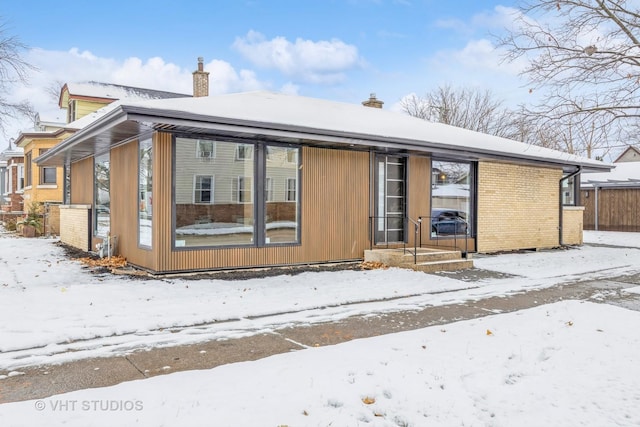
x=612 y=199
x=266 y=179
x=84 y=102
x=11 y=182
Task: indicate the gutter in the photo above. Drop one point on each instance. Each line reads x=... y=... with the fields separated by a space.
x=561 y=208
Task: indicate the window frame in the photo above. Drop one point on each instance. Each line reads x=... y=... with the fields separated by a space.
x=199 y=151
x=211 y=189
x=28 y=158
x=245 y=146
x=258 y=192
x=289 y=191
x=471 y=215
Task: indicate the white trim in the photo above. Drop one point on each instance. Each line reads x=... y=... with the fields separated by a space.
x=211 y=190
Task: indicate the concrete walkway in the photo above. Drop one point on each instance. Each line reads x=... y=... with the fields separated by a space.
x=44 y=381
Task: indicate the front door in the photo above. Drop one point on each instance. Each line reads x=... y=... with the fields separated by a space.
x=390 y=199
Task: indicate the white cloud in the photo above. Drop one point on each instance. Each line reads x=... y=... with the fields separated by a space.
x=312 y=61
x=74 y=65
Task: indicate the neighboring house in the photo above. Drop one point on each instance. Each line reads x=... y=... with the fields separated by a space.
x=84 y=103
x=612 y=199
x=12 y=181
x=265 y=179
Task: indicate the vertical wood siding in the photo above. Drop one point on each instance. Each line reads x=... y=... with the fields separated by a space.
x=82 y=182
x=334 y=215
x=124 y=204
x=618 y=209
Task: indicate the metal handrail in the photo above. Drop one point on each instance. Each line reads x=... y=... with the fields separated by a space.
x=417 y=226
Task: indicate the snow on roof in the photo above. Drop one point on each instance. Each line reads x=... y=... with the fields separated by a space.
x=286 y=111
x=113 y=91
x=624 y=174
x=86 y=120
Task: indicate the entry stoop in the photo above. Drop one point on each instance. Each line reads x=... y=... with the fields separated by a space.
x=426 y=260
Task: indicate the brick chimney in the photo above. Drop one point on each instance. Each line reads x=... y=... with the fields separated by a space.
x=373 y=102
x=200 y=80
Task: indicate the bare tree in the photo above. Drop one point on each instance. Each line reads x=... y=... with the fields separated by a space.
x=582 y=56
x=466 y=108
x=54 y=89
x=13 y=70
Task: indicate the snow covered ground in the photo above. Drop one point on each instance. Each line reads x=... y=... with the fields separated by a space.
x=568 y=363
x=54 y=310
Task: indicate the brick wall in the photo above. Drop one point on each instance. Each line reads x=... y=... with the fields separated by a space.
x=53 y=221
x=74 y=226
x=518 y=207
x=572 y=225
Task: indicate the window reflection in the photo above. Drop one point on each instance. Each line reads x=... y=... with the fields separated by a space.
x=450 y=198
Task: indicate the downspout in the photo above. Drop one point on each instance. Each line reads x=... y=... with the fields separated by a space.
x=560 y=222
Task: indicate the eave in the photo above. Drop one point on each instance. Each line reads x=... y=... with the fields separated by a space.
x=128 y=122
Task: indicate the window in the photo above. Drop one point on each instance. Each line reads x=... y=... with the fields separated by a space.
x=71 y=111
x=67 y=185
x=205 y=149
x=292 y=155
x=213 y=200
x=47 y=174
x=101 y=195
x=569 y=191
x=291 y=189
x=452 y=198
x=252 y=201
x=244 y=189
x=20 y=177
x=268 y=189
x=202 y=189
x=281 y=210
x=27 y=169
x=145 y=187
x=244 y=152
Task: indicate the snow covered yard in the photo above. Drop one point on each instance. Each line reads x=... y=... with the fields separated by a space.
x=566 y=364
x=54 y=310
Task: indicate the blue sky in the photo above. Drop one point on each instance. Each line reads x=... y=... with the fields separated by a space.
x=341 y=50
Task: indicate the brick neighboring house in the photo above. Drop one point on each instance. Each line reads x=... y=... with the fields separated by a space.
x=12 y=182
x=612 y=199
x=265 y=179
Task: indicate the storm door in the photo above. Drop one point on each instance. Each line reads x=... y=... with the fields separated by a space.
x=390 y=199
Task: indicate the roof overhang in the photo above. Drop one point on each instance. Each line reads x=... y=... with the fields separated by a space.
x=127 y=122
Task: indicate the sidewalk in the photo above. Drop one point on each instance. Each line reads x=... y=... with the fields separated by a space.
x=45 y=381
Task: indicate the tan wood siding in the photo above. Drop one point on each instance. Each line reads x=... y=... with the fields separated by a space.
x=334 y=215
x=124 y=204
x=618 y=209
x=419 y=203
x=82 y=182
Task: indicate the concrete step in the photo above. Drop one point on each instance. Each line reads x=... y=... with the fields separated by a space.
x=427 y=260
x=447 y=265
x=396 y=257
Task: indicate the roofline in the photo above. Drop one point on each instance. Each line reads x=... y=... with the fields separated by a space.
x=338 y=136
x=43 y=134
x=176 y=117
x=625 y=151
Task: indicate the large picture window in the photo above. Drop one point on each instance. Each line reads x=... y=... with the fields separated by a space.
x=238 y=197
x=101 y=193
x=451 y=198
x=145 y=187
